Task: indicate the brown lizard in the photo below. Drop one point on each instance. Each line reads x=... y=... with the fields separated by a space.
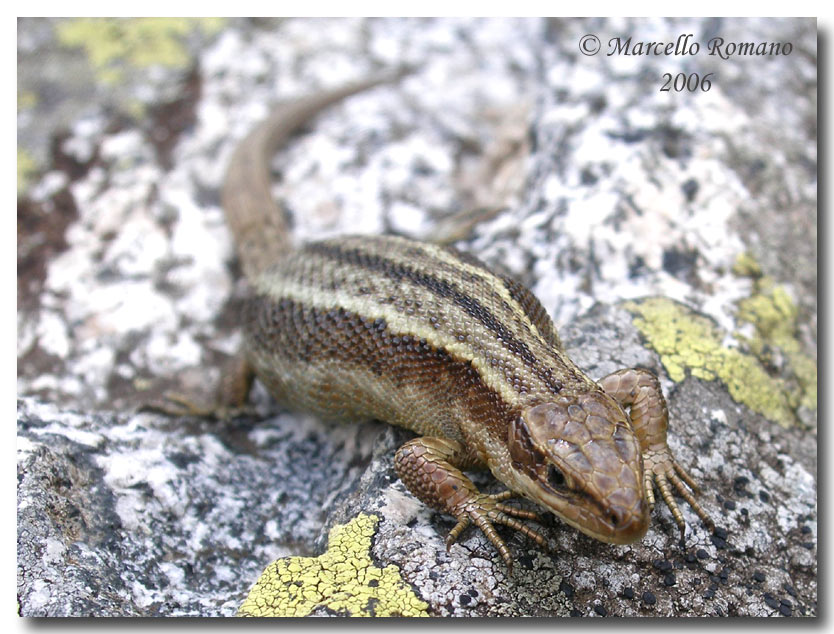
x=428 y=338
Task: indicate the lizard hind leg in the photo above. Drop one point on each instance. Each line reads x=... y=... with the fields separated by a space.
x=228 y=399
x=640 y=390
x=429 y=469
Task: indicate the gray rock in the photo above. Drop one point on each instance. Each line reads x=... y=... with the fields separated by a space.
x=144 y=516
x=574 y=173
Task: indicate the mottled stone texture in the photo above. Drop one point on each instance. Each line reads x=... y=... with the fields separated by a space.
x=575 y=173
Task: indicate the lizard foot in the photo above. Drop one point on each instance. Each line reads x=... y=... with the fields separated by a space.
x=485 y=510
x=230 y=396
x=431 y=469
x=662 y=469
x=639 y=390
x=177 y=404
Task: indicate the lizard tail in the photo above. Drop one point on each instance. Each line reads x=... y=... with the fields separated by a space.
x=259 y=226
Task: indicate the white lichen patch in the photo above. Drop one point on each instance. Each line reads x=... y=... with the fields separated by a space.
x=616 y=195
x=90 y=439
x=150 y=250
x=400 y=506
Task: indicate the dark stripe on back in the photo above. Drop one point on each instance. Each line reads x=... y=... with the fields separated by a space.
x=396 y=271
x=533 y=308
x=294 y=332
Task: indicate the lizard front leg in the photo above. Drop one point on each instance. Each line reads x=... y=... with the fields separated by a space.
x=640 y=390
x=430 y=468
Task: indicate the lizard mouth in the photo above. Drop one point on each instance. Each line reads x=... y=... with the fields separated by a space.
x=625 y=525
x=613 y=524
x=622 y=517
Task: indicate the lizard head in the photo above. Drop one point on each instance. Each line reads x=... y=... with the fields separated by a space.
x=579 y=458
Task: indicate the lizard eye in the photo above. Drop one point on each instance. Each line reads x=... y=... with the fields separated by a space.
x=555 y=478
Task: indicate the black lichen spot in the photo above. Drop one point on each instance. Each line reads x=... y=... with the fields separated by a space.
x=690 y=189
x=587 y=176
x=675 y=142
x=629 y=136
x=649 y=598
x=662 y=565
x=771 y=601
x=679 y=263
x=182 y=460
x=636 y=267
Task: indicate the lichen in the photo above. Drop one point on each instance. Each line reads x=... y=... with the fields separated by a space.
x=114 y=44
x=746 y=265
x=689 y=343
x=26 y=167
x=343 y=580
x=26 y=99
x=773 y=315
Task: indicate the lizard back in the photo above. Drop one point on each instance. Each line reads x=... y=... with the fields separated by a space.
x=411 y=333
x=428 y=338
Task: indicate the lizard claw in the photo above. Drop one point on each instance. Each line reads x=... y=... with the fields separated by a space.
x=486 y=510
x=179 y=405
x=663 y=470
x=229 y=400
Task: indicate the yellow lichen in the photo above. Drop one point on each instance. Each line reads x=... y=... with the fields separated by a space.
x=746 y=265
x=26 y=99
x=773 y=315
x=688 y=342
x=343 y=580
x=26 y=167
x=113 y=44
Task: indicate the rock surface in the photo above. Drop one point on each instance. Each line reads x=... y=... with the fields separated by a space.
x=670 y=230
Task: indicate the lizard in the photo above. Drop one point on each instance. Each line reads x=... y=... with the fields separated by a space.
x=428 y=338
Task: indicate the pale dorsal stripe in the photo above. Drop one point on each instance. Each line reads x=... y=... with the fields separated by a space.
x=397 y=323
x=448 y=266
